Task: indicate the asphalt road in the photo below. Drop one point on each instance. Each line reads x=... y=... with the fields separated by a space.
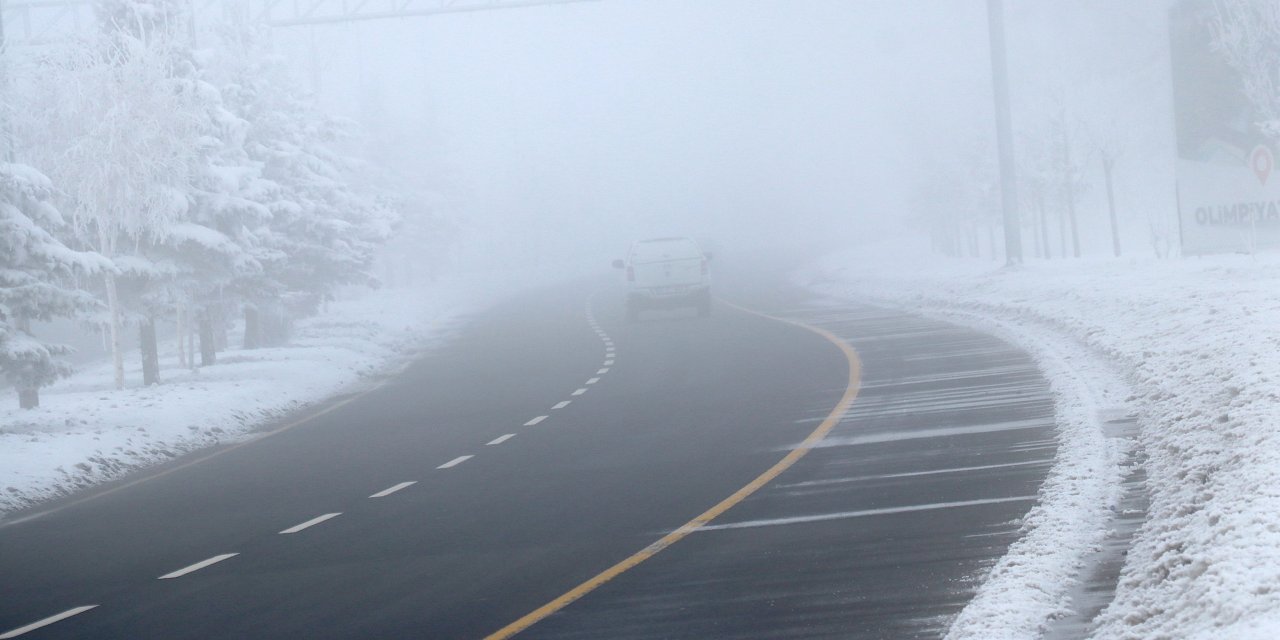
x=880 y=532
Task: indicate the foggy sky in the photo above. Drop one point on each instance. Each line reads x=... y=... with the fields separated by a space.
x=571 y=130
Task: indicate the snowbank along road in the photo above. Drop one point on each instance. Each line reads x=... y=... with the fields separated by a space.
x=558 y=473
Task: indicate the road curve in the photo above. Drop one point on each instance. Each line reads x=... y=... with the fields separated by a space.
x=551 y=440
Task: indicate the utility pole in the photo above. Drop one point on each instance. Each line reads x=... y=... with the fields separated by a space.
x=1004 y=134
x=59 y=15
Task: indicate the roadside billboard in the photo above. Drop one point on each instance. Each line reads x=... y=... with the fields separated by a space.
x=1228 y=183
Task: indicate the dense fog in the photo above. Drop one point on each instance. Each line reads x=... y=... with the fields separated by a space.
x=840 y=318
x=826 y=122
x=542 y=140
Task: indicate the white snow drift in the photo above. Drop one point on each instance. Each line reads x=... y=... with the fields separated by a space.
x=85 y=432
x=1196 y=341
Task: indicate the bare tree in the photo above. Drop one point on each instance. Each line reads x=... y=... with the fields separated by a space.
x=1035 y=187
x=1109 y=154
x=1063 y=134
x=1110 y=140
x=958 y=202
x=1162 y=233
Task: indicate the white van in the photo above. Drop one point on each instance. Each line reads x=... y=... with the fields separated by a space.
x=665 y=273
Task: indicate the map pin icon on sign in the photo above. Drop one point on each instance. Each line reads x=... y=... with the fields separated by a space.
x=1263 y=162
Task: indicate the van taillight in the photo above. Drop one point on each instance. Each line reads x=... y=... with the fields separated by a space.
x=631 y=273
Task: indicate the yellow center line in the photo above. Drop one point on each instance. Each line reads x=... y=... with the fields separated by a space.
x=833 y=418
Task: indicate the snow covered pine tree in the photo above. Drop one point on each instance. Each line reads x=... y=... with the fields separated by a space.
x=36 y=281
x=322 y=231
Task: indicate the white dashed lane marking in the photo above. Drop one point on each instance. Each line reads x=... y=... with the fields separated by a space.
x=610 y=354
x=46 y=622
x=392 y=489
x=860 y=514
x=311 y=523
x=197 y=566
x=455 y=462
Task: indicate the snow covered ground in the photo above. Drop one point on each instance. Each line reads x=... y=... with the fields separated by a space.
x=1192 y=346
x=85 y=432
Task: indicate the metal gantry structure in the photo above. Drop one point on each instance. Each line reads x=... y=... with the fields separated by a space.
x=36 y=21
x=289 y=13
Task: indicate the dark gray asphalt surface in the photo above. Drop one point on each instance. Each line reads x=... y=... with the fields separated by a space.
x=881 y=534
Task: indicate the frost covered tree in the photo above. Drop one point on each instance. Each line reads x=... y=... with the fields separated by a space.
x=213 y=256
x=1247 y=32
x=205 y=178
x=327 y=230
x=230 y=199
x=114 y=129
x=37 y=281
x=425 y=197
x=420 y=248
x=121 y=20
x=323 y=231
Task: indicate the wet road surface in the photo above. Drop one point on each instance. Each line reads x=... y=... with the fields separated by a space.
x=547 y=442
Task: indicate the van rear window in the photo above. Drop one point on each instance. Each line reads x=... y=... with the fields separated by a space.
x=660 y=249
